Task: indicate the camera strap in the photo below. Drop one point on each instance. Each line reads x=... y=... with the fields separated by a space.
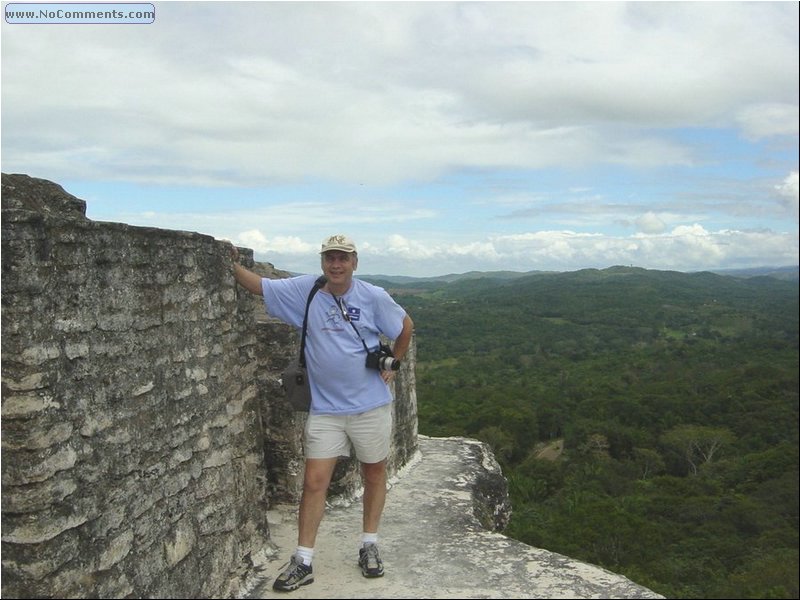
x=342 y=306
x=319 y=283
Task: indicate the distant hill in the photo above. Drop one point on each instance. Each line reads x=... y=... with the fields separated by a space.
x=630 y=293
x=785 y=273
x=788 y=273
x=452 y=277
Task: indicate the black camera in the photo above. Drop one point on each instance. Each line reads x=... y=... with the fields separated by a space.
x=382 y=359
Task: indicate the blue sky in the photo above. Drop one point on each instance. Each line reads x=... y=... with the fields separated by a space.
x=443 y=137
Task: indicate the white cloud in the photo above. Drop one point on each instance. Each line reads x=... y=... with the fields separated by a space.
x=254 y=239
x=402 y=247
x=685 y=247
x=650 y=223
x=788 y=190
x=259 y=242
x=769 y=119
x=675 y=116
x=387 y=93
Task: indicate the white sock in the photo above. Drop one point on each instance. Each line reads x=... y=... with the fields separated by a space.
x=305 y=554
x=368 y=538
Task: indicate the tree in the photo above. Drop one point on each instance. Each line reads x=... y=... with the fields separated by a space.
x=648 y=462
x=696 y=443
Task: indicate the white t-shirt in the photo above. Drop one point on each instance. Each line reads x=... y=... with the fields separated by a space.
x=341 y=384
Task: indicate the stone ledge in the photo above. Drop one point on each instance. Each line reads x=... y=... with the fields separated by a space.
x=434 y=545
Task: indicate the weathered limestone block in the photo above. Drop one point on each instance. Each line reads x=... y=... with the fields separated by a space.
x=39 y=197
x=124 y=385
x=491 y=503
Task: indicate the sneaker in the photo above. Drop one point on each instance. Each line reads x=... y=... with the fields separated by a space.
x=294 y=575
x=369 y=561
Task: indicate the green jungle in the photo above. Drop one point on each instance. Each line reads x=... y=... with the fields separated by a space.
x=646 y=421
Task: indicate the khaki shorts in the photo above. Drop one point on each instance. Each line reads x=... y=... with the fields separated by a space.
x=369 y=433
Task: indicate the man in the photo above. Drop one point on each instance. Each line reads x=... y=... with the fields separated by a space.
x=351 y=403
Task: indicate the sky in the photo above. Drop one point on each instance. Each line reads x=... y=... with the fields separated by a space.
x=443 y=137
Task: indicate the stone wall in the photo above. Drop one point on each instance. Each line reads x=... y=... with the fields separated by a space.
x=143 y=430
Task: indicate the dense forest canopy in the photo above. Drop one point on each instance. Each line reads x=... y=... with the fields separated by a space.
x=647 y=421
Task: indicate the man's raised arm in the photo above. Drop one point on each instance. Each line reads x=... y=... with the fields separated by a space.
x=246 y=278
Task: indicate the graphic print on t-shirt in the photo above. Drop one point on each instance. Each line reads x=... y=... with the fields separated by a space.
x=333 y=319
